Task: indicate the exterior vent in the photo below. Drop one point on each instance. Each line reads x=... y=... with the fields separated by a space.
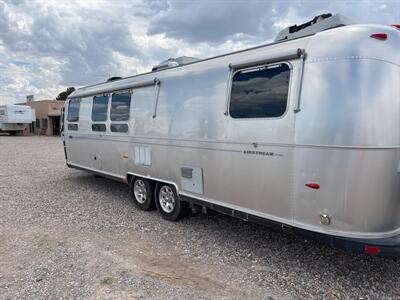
x=319 y=23
x=113 y=78
x=174 y=62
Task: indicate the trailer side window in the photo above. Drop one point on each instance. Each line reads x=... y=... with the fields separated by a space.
x=260 y=92
x=98 y=127
x=2 y=112
x=120 y=106
x=99 y=108
x=72 y=127
x=119 y=127
x=73 y=110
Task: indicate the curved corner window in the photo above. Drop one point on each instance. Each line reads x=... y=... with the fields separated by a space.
x=120 y=106
x=73 y=110
x=98 y=127
x=260 y=92
x=99 y=108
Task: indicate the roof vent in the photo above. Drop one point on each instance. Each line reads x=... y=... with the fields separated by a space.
x=174 y=62
x=113 y=78
x=319 y=23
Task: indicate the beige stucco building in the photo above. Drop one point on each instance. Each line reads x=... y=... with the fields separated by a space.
x=48 y=116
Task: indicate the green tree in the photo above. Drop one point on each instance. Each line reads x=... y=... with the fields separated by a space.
x=63 y=95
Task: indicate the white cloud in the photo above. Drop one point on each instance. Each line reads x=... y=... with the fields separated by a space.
x=46 y=46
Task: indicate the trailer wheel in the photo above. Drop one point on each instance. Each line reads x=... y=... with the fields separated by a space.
x=141 y=193
x=168 y=203
x=13 y=133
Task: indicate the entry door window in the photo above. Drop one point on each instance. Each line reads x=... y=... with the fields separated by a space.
x=261 y=92
x=73 y=110
x=73 y=115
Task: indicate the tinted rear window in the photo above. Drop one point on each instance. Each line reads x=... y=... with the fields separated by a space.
x=260 y=92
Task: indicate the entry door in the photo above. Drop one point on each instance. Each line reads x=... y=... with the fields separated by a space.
x=73 y=128
x=254 y=169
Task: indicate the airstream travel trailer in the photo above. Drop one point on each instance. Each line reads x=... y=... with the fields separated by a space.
x=15 y=118
x=302 y=133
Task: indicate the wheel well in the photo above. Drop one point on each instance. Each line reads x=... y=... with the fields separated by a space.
x=129 y=178
x=151 y=181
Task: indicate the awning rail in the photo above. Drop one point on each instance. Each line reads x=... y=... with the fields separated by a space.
x=113 y=87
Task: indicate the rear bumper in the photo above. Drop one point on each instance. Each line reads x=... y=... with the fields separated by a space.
x=385 y=247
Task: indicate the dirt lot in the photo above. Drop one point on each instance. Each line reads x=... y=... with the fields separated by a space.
x=66 y=234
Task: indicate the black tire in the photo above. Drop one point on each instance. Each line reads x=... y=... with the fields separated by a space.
x=13 y=133
x=178 y=210
x=146 y=200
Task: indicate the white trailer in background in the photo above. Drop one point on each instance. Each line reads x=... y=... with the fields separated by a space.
x=15 y=118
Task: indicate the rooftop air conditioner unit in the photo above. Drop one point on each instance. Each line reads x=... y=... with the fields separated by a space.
x=319 y=23
x=174 y=62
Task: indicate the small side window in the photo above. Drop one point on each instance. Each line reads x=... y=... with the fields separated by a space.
x=73 y=127
x=73 y=110
x=260 y=92
x=120 y=106
x=99 y=108
x=99 y=127
x=119 y=128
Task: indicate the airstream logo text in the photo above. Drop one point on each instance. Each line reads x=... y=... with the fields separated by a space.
x=262 y=153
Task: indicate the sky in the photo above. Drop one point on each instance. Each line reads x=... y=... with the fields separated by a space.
x=46 y=46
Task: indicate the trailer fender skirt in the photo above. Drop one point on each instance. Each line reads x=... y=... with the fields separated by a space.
x=385 y=247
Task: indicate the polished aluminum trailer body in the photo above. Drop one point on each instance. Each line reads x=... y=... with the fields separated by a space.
x=340 y=132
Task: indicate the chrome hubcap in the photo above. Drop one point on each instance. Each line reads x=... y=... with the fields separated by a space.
x=139 y=189
x=167 y=199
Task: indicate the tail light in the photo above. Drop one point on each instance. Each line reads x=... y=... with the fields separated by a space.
x=372 y=249
x=379 y=36
x=397 y=26
x=312 y=185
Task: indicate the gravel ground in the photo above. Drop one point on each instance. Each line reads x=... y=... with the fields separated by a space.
x=66 y=234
